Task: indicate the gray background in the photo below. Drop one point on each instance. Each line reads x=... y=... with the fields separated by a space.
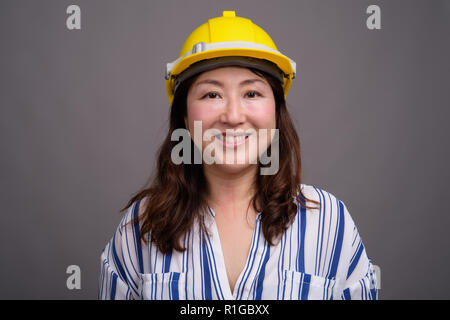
x=83 y=112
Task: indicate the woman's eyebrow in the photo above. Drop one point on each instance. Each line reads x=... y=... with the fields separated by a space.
x=220 y=84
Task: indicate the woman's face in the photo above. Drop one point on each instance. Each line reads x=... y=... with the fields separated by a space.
x=240 y=106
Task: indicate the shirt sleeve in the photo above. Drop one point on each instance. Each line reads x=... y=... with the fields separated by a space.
x=361 y=280
x=118 y=274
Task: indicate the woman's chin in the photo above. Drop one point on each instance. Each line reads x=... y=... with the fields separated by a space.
x=234 y=168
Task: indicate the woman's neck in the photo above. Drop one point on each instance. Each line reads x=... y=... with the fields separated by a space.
x=230 y=193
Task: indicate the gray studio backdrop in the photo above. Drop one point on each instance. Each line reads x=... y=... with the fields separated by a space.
x=84 y=111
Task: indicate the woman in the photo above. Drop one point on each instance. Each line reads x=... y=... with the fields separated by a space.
x=220 y=228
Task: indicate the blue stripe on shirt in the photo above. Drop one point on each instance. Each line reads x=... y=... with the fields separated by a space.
x=136 y=232
x=340 y=236
x=259 y=286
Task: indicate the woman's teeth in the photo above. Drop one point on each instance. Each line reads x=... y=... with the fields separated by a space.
x=232 y=139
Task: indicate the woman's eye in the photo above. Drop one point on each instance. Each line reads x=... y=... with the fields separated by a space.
x=253 y=94
x=211 y=95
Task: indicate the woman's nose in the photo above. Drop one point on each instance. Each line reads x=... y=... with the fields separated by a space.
x=234 y=113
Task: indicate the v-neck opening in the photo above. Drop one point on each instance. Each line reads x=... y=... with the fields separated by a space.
x=250 y=256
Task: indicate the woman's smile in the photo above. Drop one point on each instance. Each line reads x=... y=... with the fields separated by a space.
x=232 y=140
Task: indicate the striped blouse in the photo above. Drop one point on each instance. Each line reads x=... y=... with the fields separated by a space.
x=320 y=256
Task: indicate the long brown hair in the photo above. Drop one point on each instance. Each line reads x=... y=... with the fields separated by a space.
x=175 y=196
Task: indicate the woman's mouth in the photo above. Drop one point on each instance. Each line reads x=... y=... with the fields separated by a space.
x=232 y=140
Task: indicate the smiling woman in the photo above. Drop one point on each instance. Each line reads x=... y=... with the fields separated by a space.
x=227 y=229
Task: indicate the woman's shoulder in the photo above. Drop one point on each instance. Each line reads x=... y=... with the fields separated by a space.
x=135 y=210
x=313 y=192
x=330 y=205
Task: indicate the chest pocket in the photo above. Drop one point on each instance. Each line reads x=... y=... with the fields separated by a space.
x=304 y=286
x=162 y=286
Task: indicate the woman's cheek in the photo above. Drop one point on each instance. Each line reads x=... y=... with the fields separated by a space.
x=200 y=119
x=264 y=114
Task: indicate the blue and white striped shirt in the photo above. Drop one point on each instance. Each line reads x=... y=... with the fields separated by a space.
x=320 y=256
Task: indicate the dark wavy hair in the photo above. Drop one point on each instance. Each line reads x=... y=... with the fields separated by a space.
x=175 y=196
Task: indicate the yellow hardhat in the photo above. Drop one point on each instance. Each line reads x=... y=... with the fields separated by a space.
x=225 y=41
